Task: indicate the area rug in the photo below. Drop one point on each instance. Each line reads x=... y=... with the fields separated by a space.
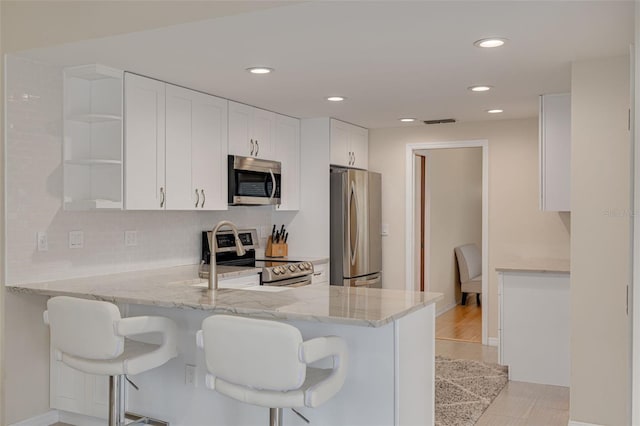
x=464 y=389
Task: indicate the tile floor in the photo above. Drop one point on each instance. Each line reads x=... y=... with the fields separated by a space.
x=519 y=404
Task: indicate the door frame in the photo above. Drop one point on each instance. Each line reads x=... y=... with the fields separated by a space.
x=410 y=219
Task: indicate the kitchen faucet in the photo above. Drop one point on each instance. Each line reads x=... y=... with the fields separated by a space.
x=213 y=274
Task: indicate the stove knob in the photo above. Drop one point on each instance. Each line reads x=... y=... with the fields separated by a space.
x=307 y=265
x=275 y=271
x=292 y=268
x=301 y=266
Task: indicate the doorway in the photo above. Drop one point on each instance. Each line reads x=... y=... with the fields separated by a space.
x=420 y=230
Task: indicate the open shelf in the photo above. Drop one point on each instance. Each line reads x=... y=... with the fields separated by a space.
x=92 y=205
x=94 y=118
x=93 y=162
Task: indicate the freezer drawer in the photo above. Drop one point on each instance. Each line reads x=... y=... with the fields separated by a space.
x=370 y=281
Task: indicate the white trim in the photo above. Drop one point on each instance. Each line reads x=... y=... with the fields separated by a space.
x=634 y=308
x=45 y=419
x=80 y=419
x=410 y=219
x=574 y=423
x=494 y=341
x=446 y=309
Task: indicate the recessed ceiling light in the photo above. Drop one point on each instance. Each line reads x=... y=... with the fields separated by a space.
x=260 y=70
x=407 y=120
x=494 y=111
x=490 y=42
x=479 y=88
x=336 y=98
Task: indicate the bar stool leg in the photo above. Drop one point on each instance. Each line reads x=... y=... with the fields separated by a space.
x=275 y=416
x=116 y=401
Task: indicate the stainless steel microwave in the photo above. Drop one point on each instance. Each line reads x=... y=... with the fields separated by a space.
x=253 y=181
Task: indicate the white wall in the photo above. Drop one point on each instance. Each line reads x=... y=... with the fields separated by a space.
x=600 y=241
x=454 y=182
x=518 y=230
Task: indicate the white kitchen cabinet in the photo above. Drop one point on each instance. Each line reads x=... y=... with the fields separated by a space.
x=251 y=131
x=534 y=322
x=175 y=147
x=287 y=151
x=92 y=141
x=555 y=152
x=196 y=150
x=240 y=282
x=320 y=274
x=77 y=392
x=144 y=143
x=349 y=145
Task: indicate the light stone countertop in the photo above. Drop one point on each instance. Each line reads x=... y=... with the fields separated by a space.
x=536 y=265
x=174 y=288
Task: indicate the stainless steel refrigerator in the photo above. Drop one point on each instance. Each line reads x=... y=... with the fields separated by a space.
x=356 y=242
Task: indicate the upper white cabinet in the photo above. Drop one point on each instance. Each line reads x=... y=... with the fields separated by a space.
x=144 y=147
x=555 y=152
x=92 y=148
x=251 y=131
x=175 y=147
x=349 y=145
x=196 y=150
x=287 y=151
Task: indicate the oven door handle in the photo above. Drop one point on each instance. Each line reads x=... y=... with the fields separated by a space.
x=291 y=282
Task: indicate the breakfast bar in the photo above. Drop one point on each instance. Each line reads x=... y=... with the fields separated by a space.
x=388 y=332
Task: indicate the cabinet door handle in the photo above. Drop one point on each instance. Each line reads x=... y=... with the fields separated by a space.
x=257 y=147
x=354 y=158
x=197 y=198
x=162 y=196
x=203 y=198
x=252 y=147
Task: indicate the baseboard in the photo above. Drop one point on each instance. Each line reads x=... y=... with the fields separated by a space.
x=45 y=419
x=574 y=423
x=493 y=341
x=446 y=309
x=80 y=419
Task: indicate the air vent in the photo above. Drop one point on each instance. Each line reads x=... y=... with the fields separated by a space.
x=441 y=121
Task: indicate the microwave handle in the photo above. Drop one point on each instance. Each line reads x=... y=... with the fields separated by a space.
x=273 y=188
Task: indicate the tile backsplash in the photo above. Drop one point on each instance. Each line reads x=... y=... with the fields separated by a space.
x=34 y=199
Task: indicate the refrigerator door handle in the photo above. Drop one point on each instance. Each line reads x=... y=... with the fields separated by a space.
x=354 y=247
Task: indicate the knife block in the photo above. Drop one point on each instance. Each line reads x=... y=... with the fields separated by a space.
x=276 y=249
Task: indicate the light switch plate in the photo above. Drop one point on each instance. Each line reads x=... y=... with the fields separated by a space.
x=385 y=229
x=130 y=238
x=76 y=239
x=43 y=243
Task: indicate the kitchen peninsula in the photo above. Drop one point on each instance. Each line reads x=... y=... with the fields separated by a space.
x=390 y=337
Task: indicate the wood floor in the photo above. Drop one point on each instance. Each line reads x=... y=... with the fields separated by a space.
x=518 y=404
x=462 y=323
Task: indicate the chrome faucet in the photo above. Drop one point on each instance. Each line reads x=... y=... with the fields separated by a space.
x=213 y=273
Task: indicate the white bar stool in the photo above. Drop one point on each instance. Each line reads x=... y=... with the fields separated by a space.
x=89 y=335
x=264 y=363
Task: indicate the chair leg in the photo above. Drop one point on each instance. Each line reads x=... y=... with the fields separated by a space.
x=464 y=299
x=275 y=416
x=116 y=401
x=478 y=298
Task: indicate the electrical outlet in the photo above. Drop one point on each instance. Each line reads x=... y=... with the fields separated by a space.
x=190 y=375
x=43 y=243
x=76 y=239
x=130 y=238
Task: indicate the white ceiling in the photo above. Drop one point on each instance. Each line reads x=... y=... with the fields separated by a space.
x=389 y=58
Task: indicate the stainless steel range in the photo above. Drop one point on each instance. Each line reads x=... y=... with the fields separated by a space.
x=274 y=272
